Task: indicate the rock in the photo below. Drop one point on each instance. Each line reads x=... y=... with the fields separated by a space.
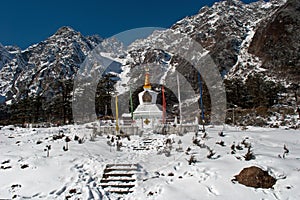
x=255 y=177
x=276 y=42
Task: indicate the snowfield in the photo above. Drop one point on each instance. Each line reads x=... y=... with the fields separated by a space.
x=163 y=169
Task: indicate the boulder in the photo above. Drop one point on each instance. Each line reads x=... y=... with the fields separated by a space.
x=255 y=177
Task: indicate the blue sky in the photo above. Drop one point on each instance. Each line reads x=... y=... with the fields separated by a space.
x=26 y=22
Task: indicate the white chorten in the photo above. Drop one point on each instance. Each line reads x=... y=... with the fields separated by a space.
x=147 y=114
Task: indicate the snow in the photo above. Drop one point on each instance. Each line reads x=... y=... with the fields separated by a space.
x=161 y=177
x=125 y=78
x=9 y=102
x=266 y=5
x=111 y=57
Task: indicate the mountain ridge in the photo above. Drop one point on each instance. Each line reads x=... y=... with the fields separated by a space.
x=44 y=72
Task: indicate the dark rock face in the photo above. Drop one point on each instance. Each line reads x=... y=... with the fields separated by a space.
x=255 y=177
x=276 y=42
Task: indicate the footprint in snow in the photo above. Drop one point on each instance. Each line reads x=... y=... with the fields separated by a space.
x=212 y=190
x=62 y=190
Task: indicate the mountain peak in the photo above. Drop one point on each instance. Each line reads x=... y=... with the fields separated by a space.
x=64 y=29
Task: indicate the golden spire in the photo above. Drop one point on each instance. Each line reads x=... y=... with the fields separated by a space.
x=147 y=84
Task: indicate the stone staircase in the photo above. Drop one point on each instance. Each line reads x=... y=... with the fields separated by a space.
x=145 y=144
x=119 y=178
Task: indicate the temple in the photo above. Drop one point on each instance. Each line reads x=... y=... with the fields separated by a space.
x=147 y=117
x=147 y=114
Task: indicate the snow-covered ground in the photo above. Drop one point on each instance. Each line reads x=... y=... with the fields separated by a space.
x=27 y=173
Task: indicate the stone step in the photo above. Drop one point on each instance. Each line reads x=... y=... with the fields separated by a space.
x=139 y=148
x=119 y=185
x=117 y=175
x=111 y=180
x=119 y=190
x=119 y=172
x=119 y=178
x=119 y=169
x=121 y=165
x=148 y=142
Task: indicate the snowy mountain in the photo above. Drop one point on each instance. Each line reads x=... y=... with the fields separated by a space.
x=255 y=48
x=36 y=68
x=42 y=71
x=228 y=32
x=256 y=55
x=223 y=28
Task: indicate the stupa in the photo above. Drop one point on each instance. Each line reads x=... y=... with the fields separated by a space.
x=147 y=114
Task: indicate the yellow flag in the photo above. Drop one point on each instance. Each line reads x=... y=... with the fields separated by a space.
x=117 y=115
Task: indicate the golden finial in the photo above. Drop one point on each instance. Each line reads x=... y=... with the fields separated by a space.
x=147 y=84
